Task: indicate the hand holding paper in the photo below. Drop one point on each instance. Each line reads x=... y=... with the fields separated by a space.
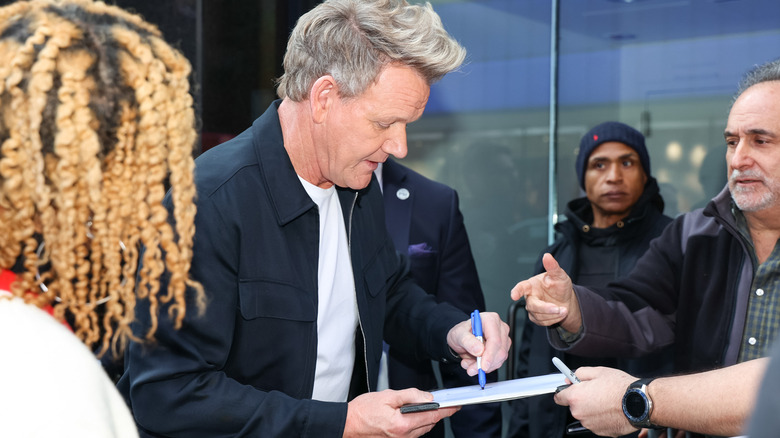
x=378 y=414
x=495 y=350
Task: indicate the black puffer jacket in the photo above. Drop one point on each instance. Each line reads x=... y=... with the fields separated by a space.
x=620 y=245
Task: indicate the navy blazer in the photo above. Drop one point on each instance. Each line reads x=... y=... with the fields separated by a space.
x=424 y=220
x=246 y=367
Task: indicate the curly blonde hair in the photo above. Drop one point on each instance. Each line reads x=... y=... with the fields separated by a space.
x=96 y=120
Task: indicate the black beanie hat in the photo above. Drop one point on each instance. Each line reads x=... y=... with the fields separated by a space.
x=606 y=132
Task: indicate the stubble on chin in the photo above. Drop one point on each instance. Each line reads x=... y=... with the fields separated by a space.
x=752 y=199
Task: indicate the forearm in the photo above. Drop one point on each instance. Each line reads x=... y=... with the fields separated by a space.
x=610 y=328
x=717 y=402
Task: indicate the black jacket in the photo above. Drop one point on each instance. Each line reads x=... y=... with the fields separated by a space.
x=623 y=244
x=690 y=289
x=426 y=223
x=246 y=367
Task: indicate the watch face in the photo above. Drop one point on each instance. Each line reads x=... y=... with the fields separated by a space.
x=635 y=405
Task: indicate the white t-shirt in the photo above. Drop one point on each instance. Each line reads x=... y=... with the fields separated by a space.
x=337 y=314
x=51 y=385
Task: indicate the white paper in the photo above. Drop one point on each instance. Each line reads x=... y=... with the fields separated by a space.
x=499 y=391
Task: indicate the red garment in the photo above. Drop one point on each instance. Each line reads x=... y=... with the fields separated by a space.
x=7 y=277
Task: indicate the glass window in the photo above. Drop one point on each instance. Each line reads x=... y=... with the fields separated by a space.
x=667 y=67
x=485 y=132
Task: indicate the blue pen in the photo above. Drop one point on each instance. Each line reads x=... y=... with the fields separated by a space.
x=476 y=329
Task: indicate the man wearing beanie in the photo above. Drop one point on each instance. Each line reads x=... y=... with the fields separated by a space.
x=606 y=231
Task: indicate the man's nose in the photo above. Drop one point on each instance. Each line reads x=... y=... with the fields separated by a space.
x=615 y=172
x=741 y=157
x=395 y=144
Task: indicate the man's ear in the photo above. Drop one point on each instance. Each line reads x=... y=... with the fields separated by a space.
x=321 y=97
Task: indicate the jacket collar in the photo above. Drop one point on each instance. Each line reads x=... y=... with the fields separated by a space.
x=579 y=213
x=723 y=208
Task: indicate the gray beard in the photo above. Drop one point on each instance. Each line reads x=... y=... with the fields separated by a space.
x=746 y=202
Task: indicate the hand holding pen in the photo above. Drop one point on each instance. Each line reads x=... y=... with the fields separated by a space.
x=491 y=351
x=596 y=402
x=476 y=329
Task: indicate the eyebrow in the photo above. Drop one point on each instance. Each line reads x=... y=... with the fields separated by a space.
x=756 y=131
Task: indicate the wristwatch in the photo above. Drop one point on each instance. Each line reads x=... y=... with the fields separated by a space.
x=637 y=405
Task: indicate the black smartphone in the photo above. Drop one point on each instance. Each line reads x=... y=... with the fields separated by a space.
x=419 y=407
x=575 y=428
x=561 y=388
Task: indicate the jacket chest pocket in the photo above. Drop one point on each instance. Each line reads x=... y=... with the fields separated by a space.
x=275 y=338
x=268 y=299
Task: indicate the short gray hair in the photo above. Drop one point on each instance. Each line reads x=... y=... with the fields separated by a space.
x=767 y=72
x=352 y=40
